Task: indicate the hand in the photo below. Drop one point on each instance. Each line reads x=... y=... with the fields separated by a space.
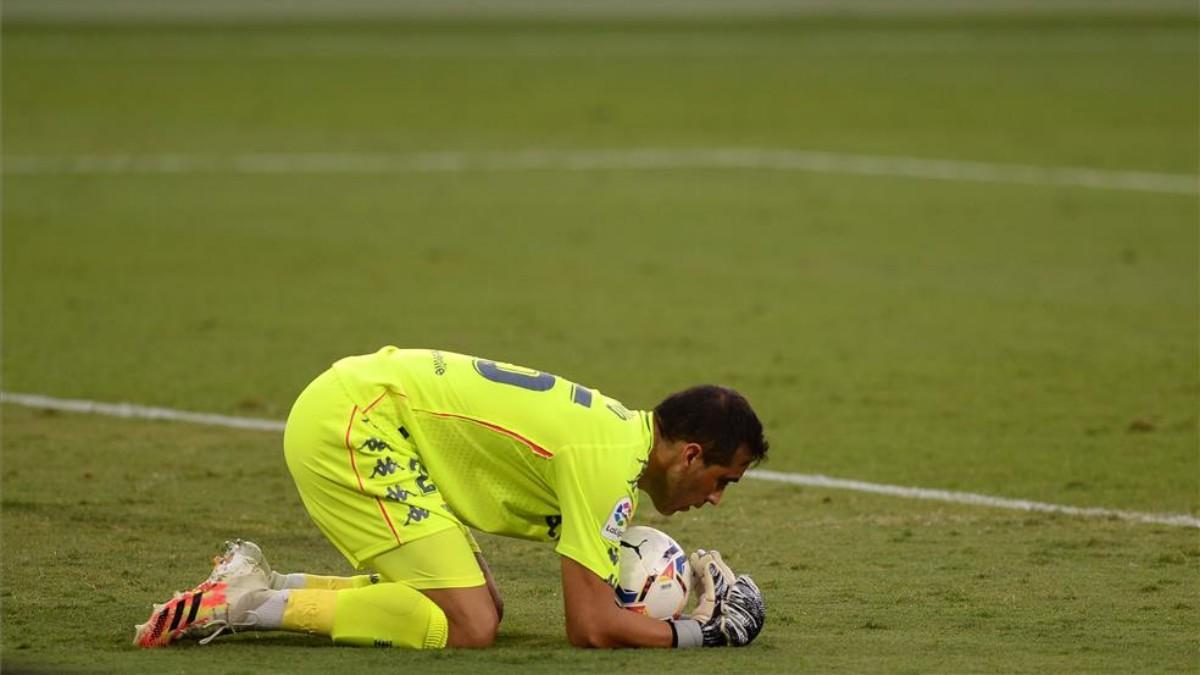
x=711 y=578
x=738 y=616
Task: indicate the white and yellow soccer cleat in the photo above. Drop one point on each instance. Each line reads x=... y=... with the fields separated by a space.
x=239 y=583
x=240 y=553
x=240 y=557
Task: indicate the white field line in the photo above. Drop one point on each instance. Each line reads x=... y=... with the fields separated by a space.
x=814 y=480
x=633 y=159
x=138 y=412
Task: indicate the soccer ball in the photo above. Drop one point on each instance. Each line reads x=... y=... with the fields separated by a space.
x=654 y=573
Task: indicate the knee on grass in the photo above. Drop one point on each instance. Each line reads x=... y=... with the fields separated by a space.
x=477 y=630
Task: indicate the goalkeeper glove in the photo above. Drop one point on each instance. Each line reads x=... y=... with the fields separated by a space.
x=711 y=578
x=737 y=618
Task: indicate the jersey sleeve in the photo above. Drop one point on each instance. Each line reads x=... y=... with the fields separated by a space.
x=597 y=501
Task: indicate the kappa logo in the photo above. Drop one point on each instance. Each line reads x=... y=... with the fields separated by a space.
x=618 y=520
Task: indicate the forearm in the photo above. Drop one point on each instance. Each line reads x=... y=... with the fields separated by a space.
x=613 y=627
x=491 y=585
x=595 y=620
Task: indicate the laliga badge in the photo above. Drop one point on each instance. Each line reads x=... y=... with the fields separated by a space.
x=618 y=520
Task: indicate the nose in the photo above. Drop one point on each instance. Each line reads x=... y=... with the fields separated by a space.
x=715 y=498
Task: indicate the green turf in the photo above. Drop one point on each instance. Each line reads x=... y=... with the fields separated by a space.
x=854 y=582
x=1030 y=342
x=1106 y=92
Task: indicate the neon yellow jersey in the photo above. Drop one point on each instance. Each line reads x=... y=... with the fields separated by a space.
x=514 y=451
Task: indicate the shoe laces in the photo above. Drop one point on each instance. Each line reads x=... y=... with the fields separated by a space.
x=223 y=625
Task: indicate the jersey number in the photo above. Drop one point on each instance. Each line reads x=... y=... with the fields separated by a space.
x=533 y=380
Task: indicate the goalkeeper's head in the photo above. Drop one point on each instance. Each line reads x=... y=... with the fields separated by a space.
x=705 y=438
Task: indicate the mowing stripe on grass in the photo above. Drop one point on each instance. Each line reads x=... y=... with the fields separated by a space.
x=813 y=480
x=630 y=159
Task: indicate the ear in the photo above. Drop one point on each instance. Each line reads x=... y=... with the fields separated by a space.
x=692 y=452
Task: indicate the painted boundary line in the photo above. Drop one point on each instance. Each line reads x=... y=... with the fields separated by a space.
x=817 y=480
x=632 y=159
x=130 y=410
x=138 y=412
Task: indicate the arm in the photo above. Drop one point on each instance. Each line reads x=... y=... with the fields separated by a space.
x=595 y=620
x=491 y=586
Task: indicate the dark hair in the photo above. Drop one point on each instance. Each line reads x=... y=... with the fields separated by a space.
x=718 y=418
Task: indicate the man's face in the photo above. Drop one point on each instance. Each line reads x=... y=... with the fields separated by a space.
x=692 y=483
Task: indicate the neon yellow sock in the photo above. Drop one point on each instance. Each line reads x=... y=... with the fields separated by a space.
x=316 y=581
x=388 y=615
x=380 y=615
x=309 y=611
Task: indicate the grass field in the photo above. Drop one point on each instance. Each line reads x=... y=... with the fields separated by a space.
x=1027 y=341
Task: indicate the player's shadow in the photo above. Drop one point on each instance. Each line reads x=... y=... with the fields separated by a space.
x=505 y=640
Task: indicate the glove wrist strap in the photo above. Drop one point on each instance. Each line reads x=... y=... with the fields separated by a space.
x=686 y=633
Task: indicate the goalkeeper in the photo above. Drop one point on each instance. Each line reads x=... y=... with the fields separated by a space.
x=396 y=454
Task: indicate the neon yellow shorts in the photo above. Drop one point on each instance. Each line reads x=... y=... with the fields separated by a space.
x=364 y=485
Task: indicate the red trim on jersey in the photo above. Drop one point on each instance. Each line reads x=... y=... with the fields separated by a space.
x=537 y=449
x=350 y=449
x=368 y=408
x=354 y=466
x=388 y=519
